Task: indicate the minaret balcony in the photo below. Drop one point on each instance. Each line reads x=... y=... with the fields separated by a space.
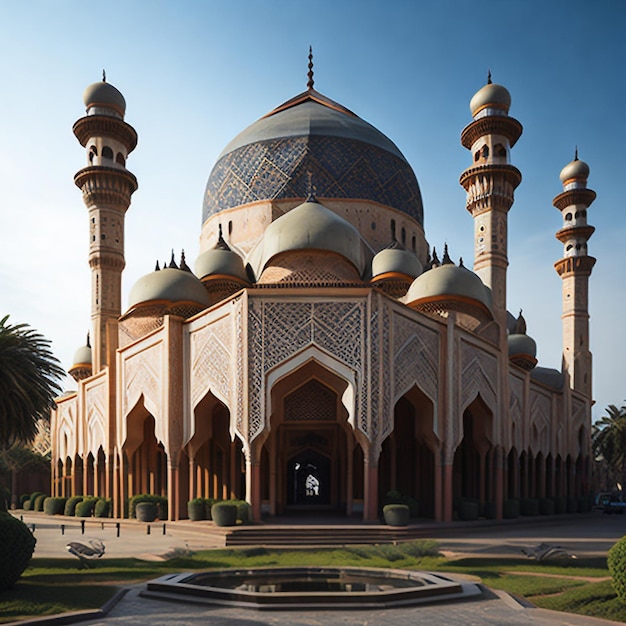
x=506 y=126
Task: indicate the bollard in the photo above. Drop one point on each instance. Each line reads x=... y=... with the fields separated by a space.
x=62 y=529
x=163 y=528
x=32 y=528
x=21 y=518
x=102 y=525
x=117 y=528
x=82 y=526
x=148 y=530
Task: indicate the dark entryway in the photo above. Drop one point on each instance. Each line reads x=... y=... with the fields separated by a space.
x=309 y=480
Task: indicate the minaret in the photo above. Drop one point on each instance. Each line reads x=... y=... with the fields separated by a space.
x=490 y=184
x=107 y=187
x=574 y=269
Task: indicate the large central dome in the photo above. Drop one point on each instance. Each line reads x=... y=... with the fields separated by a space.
x=310 y=137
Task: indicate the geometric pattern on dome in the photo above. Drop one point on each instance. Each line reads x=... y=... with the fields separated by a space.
x=312 y=401
x=339 y=168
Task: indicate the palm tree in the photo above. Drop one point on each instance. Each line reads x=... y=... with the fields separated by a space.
x=609 y=441
x=29 y=382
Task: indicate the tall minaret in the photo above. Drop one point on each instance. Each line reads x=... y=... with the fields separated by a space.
x=490 y=184
x=107 y=187
x=574 y=269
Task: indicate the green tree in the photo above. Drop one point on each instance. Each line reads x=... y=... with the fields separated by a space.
x=29 y=382
x=609 y=442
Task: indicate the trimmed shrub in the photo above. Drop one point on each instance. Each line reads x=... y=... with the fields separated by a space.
x=33 y=498
x=27 y=505
x=510 y=508
x=196 y=509
x=102 y=508
x=70 y=505
x=244 y=510
x=146 y=511
x=529 y=506
x=396 y=514
x=54 y=506
x=39 y=502
x=546 y=506
x=617 y=567
x=208 y=503
x=414 y=506
x=17 y=544
x=23 y=498
x=468 y=510
x=224 y=514
x=159 y=501
x=86 y=507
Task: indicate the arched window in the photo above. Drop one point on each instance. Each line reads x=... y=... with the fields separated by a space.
x=403 y=236
x=393 y=229
x=568 y=217
x=413 y=243
x=484 y=152
x=107 y=153
x=120 y=159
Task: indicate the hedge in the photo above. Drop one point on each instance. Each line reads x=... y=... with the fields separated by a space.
x=617 y=567
x=54 y=506
x=160 y=501
x=70 y=505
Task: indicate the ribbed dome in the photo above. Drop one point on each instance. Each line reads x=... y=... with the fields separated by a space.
x=82 y=357
x=311 y=226
x=490 y=96
x=169 y=285
x=396 y=260
x=103 y=94
x=220 y=262
x=448 y=282
x=311 y=136
x=575 y=169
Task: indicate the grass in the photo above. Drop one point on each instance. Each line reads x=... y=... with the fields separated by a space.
x=50 y=585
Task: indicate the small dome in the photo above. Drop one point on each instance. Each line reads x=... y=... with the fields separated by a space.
x=103 y=94
x=575 y=169
x=311 y=226
x=449 y=282
x=397 y=260
x=82 y=357
x=522 y=345
x=490 y=96
x=220 y=262
x=170 y=285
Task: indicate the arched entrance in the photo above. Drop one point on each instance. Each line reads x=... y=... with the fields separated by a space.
x=307 y=462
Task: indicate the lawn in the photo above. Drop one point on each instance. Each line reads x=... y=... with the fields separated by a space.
x=49 y=585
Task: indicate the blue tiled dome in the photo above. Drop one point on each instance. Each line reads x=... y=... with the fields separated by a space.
x=312 y=137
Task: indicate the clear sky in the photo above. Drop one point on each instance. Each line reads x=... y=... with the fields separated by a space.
x=195 y=73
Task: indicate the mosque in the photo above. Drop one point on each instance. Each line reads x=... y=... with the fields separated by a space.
x=321 y=353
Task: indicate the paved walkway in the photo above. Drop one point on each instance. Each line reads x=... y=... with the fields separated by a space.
x=585 y=535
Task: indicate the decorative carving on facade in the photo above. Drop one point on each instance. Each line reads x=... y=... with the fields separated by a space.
x=479 y=375
x=311 y=401
x=142 y=373
x=96 y=401
x=516 y=402
x=540 y=411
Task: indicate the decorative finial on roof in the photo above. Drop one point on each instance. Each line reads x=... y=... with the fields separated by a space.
x=446 y=257
x=310 y=82
x=520 y=325
x=435 y=261
x=489 y=81
x=88 y=344
x=183 y=264
x=156 y=267
x=576 y=154
x=104 y=76
x=461 y=262
x=221 y=243
x=172 y=264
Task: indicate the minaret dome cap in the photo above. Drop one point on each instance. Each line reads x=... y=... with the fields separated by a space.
x=575 y=169
x=103 y=94
x=490 y=96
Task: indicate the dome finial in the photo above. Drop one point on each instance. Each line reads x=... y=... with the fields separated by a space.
x=435 y=260
x=221 y=242
x=489 y=81
x=446 y=257
x=172 y=264
x=104 y=76
x=88 y=344
x=156 y=267
x=310 y=82
x=576 y=153
x=183 y=263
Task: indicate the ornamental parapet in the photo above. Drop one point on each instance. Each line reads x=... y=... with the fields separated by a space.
x=579 y=265
x=579 y=232
x=509 y=173
x=105 y=126
x=572 y=197
x=106 y=186
x=507 y=126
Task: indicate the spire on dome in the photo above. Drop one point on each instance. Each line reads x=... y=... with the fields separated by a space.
x=156 y=267
x=489 y=81
x=88 y=344
x=183 y=264
x=576 y=153
x=446 y=257
x=310 y=82
x=104 y=76
x=172 y=264
x=520 y=325
x=221 y=243
x=435 y=261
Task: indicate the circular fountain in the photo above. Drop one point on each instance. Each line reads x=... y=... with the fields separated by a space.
x=309 y=587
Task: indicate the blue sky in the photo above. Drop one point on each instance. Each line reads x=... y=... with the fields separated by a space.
x=195 y=73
